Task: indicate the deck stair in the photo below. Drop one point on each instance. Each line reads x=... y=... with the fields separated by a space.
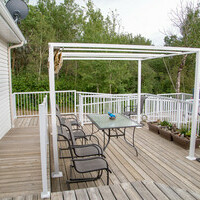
x=138 y=190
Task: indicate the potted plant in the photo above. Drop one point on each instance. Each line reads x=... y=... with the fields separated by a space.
x=165 y=130
x=153 y=126
x=182 y=138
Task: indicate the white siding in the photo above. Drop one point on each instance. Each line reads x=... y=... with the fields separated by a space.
x=5 y=118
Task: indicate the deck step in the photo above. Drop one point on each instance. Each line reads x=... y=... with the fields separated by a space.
x=137 y=190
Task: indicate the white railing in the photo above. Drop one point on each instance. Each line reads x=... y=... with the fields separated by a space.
x=175 y=108
x=104 y=103
x=156 y=107
x=172 y=110
x=180 y=96
x=27 y=103
x=43 y=122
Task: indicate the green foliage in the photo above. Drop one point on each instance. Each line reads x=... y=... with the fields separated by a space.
x=68 y=22
x=187 y=20
x=164 y=123
x=185 y=130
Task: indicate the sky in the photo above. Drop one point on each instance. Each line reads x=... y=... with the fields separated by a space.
x=150 y=18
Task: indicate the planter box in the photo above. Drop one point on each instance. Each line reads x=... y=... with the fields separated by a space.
x=153 y=127
x=165 y=134
x=184 y=142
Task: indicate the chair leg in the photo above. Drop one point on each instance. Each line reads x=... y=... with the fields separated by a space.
x=60 y=153
x=78 y=180
x=108 y=177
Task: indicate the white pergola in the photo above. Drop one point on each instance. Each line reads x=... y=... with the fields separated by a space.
x=87 y=51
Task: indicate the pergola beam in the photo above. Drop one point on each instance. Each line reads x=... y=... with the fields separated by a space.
x=120 y=50
x=94 y=58
x=121 y=46
x=111 y=55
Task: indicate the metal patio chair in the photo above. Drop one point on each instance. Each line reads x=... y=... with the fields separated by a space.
x=83 y=150
x=72 y=117
x=96 y=163
x=65 y=129
x=78 y=133
x=132 y=110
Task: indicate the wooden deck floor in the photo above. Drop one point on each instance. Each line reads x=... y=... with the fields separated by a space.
x=138 y=190
x=20 y=168
x=159 y=160
x=161 y=167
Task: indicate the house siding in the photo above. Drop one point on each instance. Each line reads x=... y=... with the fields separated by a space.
x=5 y=115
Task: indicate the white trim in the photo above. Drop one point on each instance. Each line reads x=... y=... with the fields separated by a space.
x=12 y=103
x=9 y=20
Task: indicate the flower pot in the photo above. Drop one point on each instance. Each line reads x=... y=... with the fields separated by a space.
x=165 y=133
x=184 y=142
x=153 y=126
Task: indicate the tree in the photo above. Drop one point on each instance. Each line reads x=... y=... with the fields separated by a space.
x=187 y=20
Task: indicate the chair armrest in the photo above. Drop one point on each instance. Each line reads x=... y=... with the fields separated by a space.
x=94 y=137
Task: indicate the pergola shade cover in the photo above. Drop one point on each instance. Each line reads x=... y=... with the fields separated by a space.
x=87 y=51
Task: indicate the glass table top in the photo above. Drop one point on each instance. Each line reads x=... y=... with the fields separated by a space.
x=103 y=122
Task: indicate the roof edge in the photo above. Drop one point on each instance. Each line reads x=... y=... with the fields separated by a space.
x=13 y=26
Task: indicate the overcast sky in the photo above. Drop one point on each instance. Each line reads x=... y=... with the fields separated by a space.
x=150 y=18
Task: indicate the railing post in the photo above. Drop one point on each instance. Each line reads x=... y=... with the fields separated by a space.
x=119 y=104
x=157 y=109
x=43 y=149
x=97 y=104
x=75 y=102
x=128 y=104
x=81 y=109
x=178 y=114
x=14 y=106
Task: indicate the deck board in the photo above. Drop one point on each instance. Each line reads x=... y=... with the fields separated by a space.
x=20 y=166
x=160 y=171
x=134 y=191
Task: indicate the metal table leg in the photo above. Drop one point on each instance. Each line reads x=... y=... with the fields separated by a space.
x=133 y=145
x=104 y=139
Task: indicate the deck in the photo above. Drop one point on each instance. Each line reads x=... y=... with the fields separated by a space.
x=20 y=168
x=160 y=169
x=138 y=190
x=159 y=160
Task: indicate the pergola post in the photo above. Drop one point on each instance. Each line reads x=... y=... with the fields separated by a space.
x=195 y=109
x=56 y=172
x=139 y=90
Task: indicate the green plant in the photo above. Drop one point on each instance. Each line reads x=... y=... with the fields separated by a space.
x=184 y=130
x=164 y=123
x=188 y=133
x=170 y=126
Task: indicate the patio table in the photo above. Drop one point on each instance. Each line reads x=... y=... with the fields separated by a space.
x=113 y=127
